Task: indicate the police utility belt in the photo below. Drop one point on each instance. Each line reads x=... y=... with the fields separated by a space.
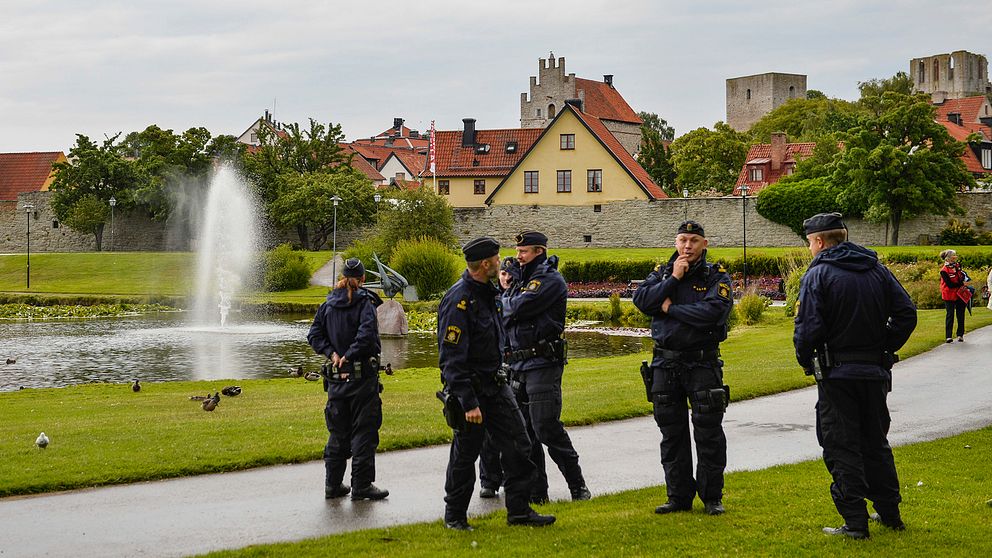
x=553 y=349
x=363 y=369
x=686 y=356
x=824 y=359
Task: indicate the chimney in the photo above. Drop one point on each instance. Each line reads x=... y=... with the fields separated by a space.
x=938 y=97
x=577 y=103
x=778 y=150
x=608 y=80
x=268 y=117
x=398 y=124
x=468 y=134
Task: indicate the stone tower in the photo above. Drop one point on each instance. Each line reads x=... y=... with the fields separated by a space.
x=751 y=97
x=951 y=76
x=548 y=91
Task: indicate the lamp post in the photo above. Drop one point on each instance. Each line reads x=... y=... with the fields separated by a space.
x=28 y=208
x=685 y=195
x=334 y=239
x=113 y=202
x=744 y=190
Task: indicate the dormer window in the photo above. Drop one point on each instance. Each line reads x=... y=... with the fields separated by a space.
x=987 y=158
x=511 y=147
x=482 y=148
x=756 y=174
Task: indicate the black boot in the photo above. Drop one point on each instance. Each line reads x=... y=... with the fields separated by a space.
x=580 y=493
x=894 y=523
x=714 y=508
x=370 y=492
x=531 y=519
x=847 y=532
x=336 y=491
x=672 y=507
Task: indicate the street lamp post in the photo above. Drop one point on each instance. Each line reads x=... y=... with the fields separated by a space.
x=113 y=202
x=334 y=239
x=744 y=190
x=685 y=195
x=28 y=208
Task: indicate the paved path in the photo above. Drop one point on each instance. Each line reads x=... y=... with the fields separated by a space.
x=941 y=393
x=325 y=275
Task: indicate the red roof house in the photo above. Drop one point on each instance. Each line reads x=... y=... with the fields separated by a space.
x=27 y=172
x=766 y=163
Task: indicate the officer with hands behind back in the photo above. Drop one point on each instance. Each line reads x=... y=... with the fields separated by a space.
x=689 y=301
x=851 y=317
x=470 y=358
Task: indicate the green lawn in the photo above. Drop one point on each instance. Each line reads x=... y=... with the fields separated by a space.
x=105 y=434
x=727 y=253
x=773 y=512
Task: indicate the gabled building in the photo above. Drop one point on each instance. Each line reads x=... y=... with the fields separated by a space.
x=551 y=88
x=250 y=136
x=964 y=117
x=392 y=161
x=397 y=136
x=22 y=173
x=361 y=165
x=575 y=161
x=956 y=75
x=766 y=163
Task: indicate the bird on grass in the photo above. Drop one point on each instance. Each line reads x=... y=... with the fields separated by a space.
x=389 y=369
x=199 y=397
x=11 y=361
x=311 y=376
x=42 y=441
x=296 y=372
x=211 y=404
x=136 y=387
x=231 y=391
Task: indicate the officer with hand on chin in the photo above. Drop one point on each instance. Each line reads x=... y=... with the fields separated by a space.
x=688 y=301
x=470 y=357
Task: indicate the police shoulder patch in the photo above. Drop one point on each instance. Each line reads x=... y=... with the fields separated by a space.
x=453 y=335
x=657 y=267
x=720 y=268
x=724 y=290
x=462 y=304
x=533 y=286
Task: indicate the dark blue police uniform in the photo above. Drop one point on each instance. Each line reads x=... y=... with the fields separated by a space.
x=348 y=326
x=686 y=365
x=852 y=315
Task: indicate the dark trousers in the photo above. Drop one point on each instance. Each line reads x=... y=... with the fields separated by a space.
x=852 y=422
x=502 y=421
x=490 y=471
x=539 y=396
x=674 y=384
x=954 y=307
x=353 y=423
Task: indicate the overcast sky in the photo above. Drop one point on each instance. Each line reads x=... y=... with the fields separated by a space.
x=101 y=67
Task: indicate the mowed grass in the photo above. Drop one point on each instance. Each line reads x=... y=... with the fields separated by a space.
x=773 y=512
x=105 y=434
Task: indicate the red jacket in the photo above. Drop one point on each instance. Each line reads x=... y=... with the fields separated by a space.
x=951 y=280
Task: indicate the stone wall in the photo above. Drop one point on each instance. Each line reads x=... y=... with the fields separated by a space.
x=653 y=224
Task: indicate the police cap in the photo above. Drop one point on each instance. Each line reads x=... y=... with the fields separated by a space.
x=823 y=222
x=353 y=268
x=691 y=227
x=480 y=248
x=532 y=238
x=508 y=264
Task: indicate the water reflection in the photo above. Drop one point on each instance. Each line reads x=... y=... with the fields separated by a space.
x=167 y=346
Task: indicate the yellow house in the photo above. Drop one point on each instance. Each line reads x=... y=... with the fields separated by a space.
x=575 y=161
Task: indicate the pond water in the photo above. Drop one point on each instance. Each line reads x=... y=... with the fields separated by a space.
x=164 y=346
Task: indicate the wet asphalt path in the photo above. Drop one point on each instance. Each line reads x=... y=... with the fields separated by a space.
x=940 y=393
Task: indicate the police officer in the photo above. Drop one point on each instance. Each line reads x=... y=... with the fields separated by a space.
x=469 y=346
x=534 y=317
x=346 y=331
x=852 y=316
x=689 y=301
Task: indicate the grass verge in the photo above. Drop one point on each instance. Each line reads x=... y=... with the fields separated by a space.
x=773 y=512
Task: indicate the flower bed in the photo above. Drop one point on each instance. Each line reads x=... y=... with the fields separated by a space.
x=766 y=285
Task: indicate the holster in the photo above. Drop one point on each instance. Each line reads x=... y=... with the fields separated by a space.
x=454 y=414
x=647 y=376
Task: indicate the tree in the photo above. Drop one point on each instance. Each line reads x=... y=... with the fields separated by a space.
x=307 y=202
x=815 y=94
x=415 y=213
x=95 y=174
x=708 y=160
x=176 y=164
x=872 y=90
x=654 y=122
x=901 y=163
x=790 y=202
x=654 y=157
x=807 y=119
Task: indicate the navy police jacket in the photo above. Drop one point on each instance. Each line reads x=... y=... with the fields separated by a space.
x=349 y=328
x=469 y=337
x=534 y=309
x=701 y=302
x=853 y=304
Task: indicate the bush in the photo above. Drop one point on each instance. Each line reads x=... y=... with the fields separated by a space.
x=606 y=271
x=427 y=264
x=285 y=269
x=363 y=249
x=750 y=308
x=416 y=213
x=958 y=233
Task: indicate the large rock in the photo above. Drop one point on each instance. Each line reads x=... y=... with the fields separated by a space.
x=392 y=319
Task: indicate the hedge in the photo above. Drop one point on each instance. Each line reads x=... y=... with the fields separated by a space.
x=620 y=271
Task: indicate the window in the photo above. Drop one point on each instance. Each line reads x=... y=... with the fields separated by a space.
x=936 y=70
x=443 y=187
x=748 y=94
x=254 y=137
x=950 y=68
x=594 y=180
x=55 y=223
x=568 y=141
x=789 y=169
x=587 y=238
x=480 y=186
x=530 y=182
x=792 y=91
x=538 y=113
x=511 y=147
x=551 y=111
x=921 y=72
x=756 y=175
x=986 y=158
x=597 y=208
x=565 y=181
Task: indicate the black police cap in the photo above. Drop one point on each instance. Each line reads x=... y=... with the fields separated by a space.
x=480 y=249
x=823 y=222
x=691 y=227
x=353 y=268
x=532 y=238
x=509 y=263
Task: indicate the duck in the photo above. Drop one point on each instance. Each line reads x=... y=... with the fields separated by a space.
x=311 y=376
x=389 y=369
x=296 y=372
x=136 y=387
x=11 y=361
x=231 y=391
x=211 y=403
x=199 y=397
x=42 y=441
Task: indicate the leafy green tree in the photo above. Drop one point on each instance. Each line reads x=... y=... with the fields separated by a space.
x=226 y=148
x=415 y=213
x=306 y=204
x=873 y=89
x=807 y=119
x=652 y=121
x=815 y=94
x=708 y=160
x=175 y=163
x=89 y=215
x=790 y=202
x=900 y=164
x=654 y=157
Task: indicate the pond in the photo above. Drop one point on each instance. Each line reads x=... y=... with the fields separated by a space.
x=165 y=346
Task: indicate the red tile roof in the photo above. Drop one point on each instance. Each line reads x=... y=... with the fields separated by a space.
x=605 y=102
x=961 y=133
x=413 y=161
x=970 y=109
x=361 y=165
x=626 y=160
x=761 y=154
x=454 y=160
x=25 y=172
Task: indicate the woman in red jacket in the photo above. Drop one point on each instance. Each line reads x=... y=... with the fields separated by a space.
x=952 y=280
